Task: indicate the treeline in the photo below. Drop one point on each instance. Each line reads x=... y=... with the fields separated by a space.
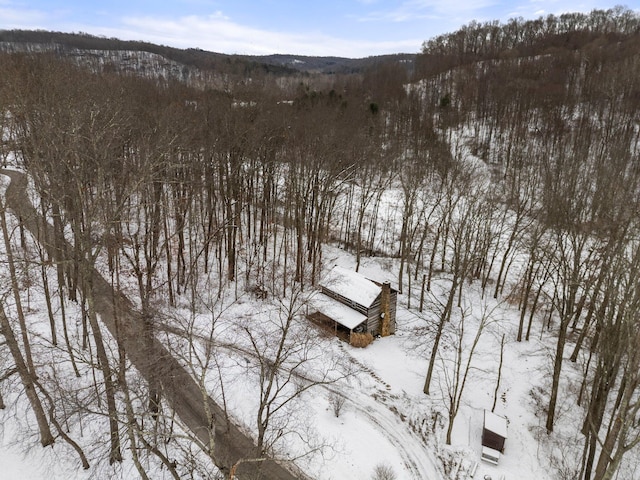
x=63 y=43
x=551 y=107
x=610 y=32
x=239 y=66
x=460 y=176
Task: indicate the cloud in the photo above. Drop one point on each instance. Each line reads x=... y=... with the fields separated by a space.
x=217 y=32
x=412 y=10
x=21 y=18
x=401 y=27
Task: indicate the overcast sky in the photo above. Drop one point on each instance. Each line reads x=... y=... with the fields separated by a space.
x=347 y=28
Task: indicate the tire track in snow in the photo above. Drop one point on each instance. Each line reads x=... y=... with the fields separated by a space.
x=418 y=461
x=411 y=447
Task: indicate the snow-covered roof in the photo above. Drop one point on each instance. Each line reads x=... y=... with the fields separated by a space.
x=495 y=423
x=351 y=285
x=337 y=311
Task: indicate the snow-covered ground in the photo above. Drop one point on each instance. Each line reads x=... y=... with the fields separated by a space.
x=386 y=418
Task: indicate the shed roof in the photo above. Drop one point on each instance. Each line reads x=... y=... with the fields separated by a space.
x=351 y=285
x=337 y=311
x=495 y=423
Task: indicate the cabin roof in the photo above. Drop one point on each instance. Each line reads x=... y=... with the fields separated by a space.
x=337 y=311
x=495 y=423
x=352 y=286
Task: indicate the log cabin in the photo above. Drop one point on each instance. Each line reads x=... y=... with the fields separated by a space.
x=349 y=302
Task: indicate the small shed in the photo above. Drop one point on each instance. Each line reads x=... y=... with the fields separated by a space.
x=494 y=434
x=349 y=302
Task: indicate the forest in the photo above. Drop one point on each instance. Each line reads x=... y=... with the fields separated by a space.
x=506 y=162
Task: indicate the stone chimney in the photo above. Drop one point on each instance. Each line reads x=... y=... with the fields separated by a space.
x=385 y=310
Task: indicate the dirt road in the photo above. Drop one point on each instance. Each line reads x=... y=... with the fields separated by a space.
x=150 y=357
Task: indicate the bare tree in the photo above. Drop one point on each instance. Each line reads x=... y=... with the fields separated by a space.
x=289 y=363
x=466 y=232
x=454 y=378
x=27 y=377
x=383 y=472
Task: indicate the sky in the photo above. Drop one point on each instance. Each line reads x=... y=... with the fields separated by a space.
x=345 y=28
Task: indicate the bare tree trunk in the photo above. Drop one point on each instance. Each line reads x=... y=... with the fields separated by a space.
x=444 y=318
x=462 y=367
x=607 y=448
x=495 y=392
x=60 y=256
x=16 y=291
x=60 y=430
x=115 y=453
x=47 y=297
x=27 y=377
x=131 y=431
x=432 y=259
x=557 y=366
